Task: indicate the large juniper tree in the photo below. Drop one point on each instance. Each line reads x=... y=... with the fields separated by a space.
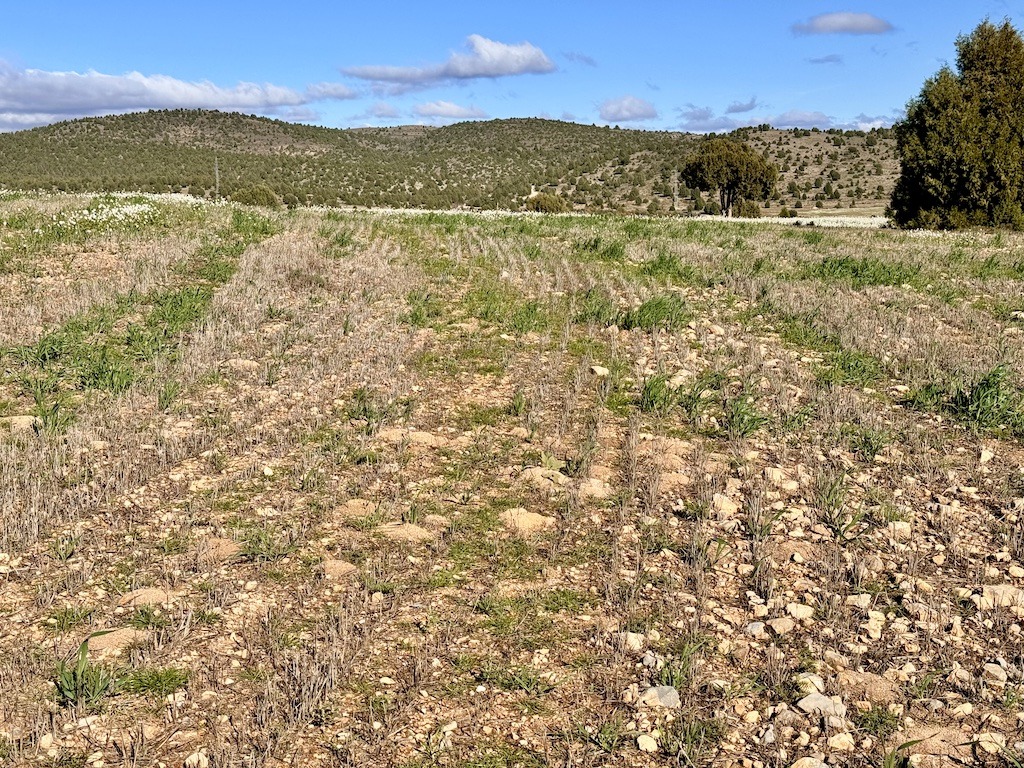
x=731 y=167
x=961 y=145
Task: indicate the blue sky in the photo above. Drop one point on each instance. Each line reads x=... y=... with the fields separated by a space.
x=683 y=65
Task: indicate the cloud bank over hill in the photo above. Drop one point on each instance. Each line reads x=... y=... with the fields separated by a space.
x=627 y=109
x=31 y=97
x=448 y=110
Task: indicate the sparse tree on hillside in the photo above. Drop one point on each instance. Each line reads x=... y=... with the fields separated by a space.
x=546 y=202
x=961 y=145
x=733 y=168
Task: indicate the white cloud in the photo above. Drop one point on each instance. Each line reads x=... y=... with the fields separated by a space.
x=296 y=114
x=832 y=58
x=800 y=118
x=448 y=111
x=843 y=23
x=382 y=110
x=864 y=122
x=703 y=120
x=30 y=97
x=334 y=91
x=741 y=106
x=486 y=58
x=17 y=121
x=627 y=109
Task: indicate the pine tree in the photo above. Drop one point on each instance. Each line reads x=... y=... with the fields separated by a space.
x=961 y=145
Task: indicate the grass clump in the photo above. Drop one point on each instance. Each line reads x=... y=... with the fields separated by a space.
x=865 y=442
x=494 y=303
x=154 y=681
x=81 y=683
x=668 y=267
x=692 y=740
x=148 y=617
x=111 y=347
x=597 y=248
x=740 y=416
x=657 y=395
x=424 y=308
x=992 y=403
x=878 y=721
x=597 y=307
x=67 y=618
x=525 y=679
x=666 y=311
x=851 y=367
x=733 y=406
x=862 y=272
x=841 y=365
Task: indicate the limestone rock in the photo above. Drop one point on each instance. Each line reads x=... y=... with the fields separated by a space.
x=523 y=521
x=544 y=478
x=809 y=683
x=646 y=743
x=338 y=569
x=861 y=601
x=799 y=611
x=406 y=532
x=217 y=550
x=820 y=704
x=808 y=762
x=112 y=642
x=991 y=743
x=782 y=626
x=592 y=488
x=661 y=696
x=756 y=630
x=724 y=506
x=999 y=596
x=842 y=742
x=633 y=642
x=19 y=424
x=993 y=674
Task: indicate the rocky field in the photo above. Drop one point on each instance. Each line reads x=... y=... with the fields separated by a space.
x=424 y=489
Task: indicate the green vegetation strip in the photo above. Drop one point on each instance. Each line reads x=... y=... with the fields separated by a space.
x=111 y=347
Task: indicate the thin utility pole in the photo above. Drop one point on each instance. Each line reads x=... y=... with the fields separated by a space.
x=216 y=178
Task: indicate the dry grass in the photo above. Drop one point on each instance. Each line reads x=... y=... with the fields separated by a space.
x=315 y=489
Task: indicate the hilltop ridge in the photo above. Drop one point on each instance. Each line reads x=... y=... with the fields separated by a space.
x=489 y=164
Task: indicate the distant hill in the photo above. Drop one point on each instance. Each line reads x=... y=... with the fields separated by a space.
x=493 y=164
